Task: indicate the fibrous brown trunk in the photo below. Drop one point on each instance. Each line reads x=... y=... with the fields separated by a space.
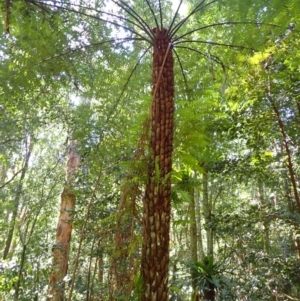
x=61 y=247
x=157 y=208
x=209 y=293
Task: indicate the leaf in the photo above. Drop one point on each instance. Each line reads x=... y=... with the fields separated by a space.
x=214 y=280
x=175 y=289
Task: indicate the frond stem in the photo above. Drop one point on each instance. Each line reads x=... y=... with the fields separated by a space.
x=195 y=10
x=214 y=44
x=174 y=18
x=160 y=14
x=127 y=82
x=220 y=24
x=152 y=12
x=181 y=68
x=118 y=41
x=130 y=29
x=208 y=56
x=138 y=18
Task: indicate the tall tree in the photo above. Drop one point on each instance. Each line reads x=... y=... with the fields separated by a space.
x=61 y=248
x=149 y=25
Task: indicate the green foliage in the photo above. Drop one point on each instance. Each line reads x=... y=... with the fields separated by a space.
x=59 y=81
x=205 y=272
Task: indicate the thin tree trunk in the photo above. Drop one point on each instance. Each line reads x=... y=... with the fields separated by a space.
x=286 y=145
x=82 y=236
x=124 y=260
x=157 y=200
x=266 y=223
x=292 y=209
x=97 y=295
x=201 y=254
x=193 y=228
x=208 y=291
x=207 y=216
x=91 y=271
x=194 y=244
x=289 y=159
x=64 y=230
x=20 y=274
x=25 y=239
x=17 y=200
x=100 y=268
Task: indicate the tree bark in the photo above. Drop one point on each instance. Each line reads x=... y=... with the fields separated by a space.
x=64 y=230
x=157 y=200
x=209 y=293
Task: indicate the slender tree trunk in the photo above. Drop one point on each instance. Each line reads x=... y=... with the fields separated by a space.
x=285 y=143
x=194 y=244
x=91 y=272
x=292 y=209
x=17 y=200
x=266 y=223
x=157 y=200
x=207 y=216
x=64 y=229
x=24 y=240
x=100 y=267
x=20 y=274
x=290 y=165
x=193 y=228
x=125 y=258
x=208 y=291
x=201 y=254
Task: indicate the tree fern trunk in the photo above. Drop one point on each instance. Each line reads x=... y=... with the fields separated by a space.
x=209 y=293
x=155 y=250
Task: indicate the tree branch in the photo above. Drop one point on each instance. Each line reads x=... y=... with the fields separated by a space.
x=2 y=186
